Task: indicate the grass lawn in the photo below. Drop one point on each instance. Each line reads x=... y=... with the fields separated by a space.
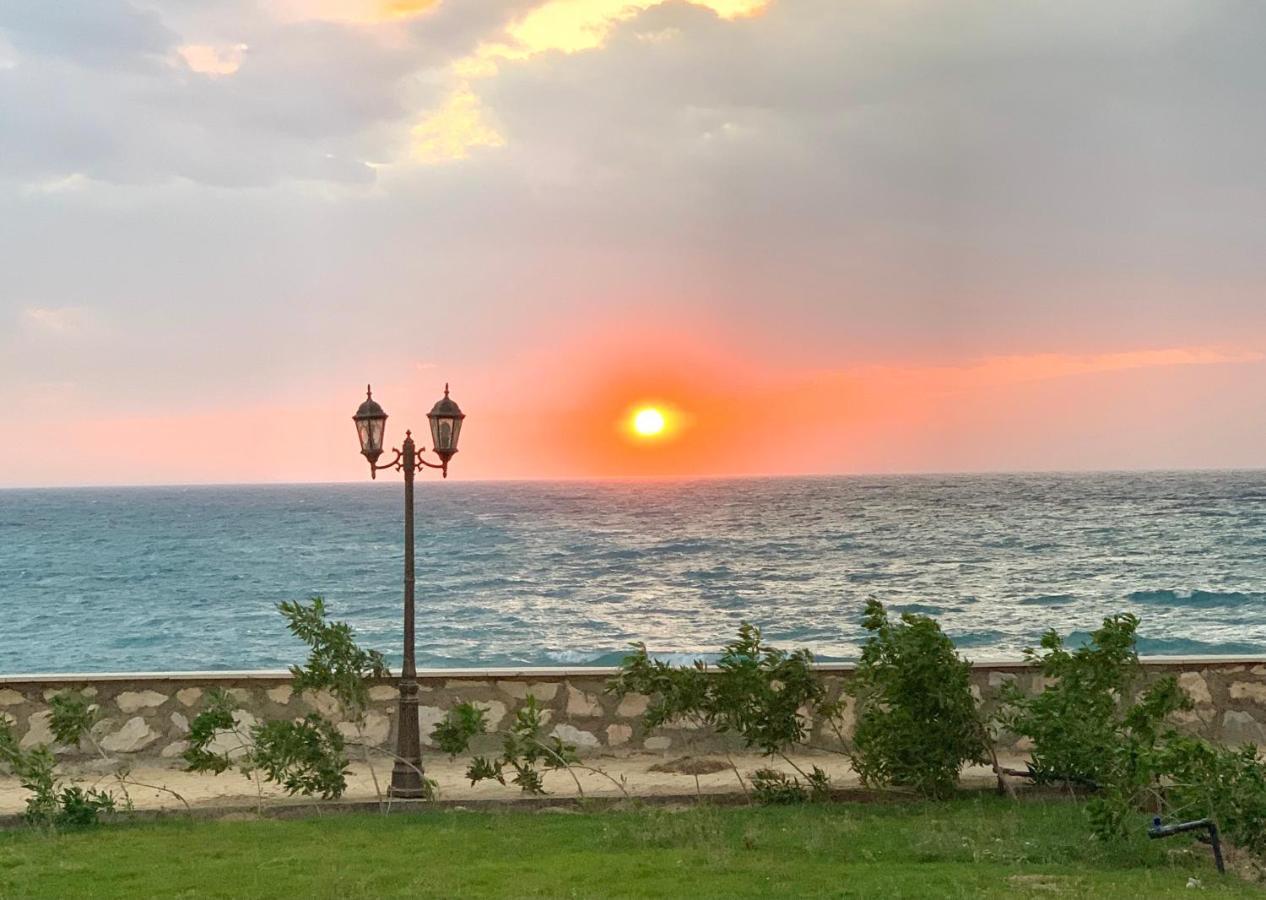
x=973 y=847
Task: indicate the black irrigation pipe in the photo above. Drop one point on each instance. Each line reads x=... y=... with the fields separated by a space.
x=1159 y=831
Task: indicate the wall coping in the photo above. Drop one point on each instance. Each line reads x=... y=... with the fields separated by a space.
x=537 y=673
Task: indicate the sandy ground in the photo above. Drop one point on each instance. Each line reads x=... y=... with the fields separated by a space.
x=633 y=773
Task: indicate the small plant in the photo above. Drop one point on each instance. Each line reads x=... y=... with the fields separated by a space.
x=523 y=750
x=773 y=788
x=917 y=720
x=765 y=695
x=308 y=755
x=1226 y=784
x=335 y=661
x=1089 y=709
x=51 y=804
x=302 y=756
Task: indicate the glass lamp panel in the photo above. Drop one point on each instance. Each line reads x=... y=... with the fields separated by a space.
x=457 y=430
x=376 y=429
x=442 y=433
x=362 y=434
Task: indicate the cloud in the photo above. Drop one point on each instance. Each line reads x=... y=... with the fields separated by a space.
x=66 y=320
x=454 y=130
x=210 y=60
x=110 y=34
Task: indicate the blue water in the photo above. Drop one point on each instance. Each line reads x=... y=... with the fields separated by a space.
x=569 y=573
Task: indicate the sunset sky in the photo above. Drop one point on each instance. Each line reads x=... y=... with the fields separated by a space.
x=819 y=236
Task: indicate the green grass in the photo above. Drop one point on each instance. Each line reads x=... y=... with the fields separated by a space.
x=974 y=847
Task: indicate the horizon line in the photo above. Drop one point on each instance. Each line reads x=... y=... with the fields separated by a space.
x=911 y=473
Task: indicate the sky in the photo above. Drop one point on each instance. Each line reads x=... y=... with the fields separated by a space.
x=821 y=236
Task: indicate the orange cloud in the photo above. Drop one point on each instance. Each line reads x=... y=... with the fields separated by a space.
x=350 y=12
x=209 y=60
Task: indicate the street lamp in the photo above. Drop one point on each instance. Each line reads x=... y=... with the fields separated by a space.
x=446 y=424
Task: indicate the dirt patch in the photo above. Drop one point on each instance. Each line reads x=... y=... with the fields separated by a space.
x=1042 y=884
x=689 y=765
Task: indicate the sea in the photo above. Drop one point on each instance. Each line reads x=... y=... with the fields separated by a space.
x=571 y=573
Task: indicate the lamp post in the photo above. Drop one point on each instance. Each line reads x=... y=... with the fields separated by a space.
x=446 y=424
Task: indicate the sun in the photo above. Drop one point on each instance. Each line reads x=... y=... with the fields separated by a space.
x=648 y=422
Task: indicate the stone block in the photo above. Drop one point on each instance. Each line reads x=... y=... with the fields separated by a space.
x=543 y=690
x=10 y=697
x=325 y=703
x=581 y=704
x=571 y=735
x=175 y=748
x=234 y=743
x=280 y=694
x=1241 y=728
x=373 y=731
x=384 y=692
x=495 y=712
x=998 y=679
x=133 y=736
x=134 y=701
x=632 y=706
x=659 y=742
x=180 y=723
x=1196 y=687
x=517 y=690
x=38 y=731
x=189 y=696
x=428 y=718
x=618 y=735
x=1249 y=690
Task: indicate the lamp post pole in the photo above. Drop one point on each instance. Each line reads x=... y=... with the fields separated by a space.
x=407 y=777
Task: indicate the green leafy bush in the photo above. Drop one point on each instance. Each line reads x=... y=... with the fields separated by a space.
x=758 y=692
x=917 y=722
x=773 y=788
x=524 y=751
x=1227 y=784
x=303 y=756
x=1090 y=718
x=51 y=803
x=335 y=661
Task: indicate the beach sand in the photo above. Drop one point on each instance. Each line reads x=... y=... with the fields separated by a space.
x=640 y=775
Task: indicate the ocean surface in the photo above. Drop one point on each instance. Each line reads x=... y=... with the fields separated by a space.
x=568 y=573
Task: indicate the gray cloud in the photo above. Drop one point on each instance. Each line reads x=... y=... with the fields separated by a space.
x=858 y=180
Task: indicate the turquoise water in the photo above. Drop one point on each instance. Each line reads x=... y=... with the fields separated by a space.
x=570 y=572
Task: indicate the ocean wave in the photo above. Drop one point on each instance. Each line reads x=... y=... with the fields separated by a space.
x=1048 y=600
x=1191 y=647
x=1196 y=599
x=918 y=609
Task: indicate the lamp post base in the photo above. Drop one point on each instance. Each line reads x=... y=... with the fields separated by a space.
x=406 y=783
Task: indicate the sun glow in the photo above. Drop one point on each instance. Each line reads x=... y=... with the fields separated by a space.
x=648 y=422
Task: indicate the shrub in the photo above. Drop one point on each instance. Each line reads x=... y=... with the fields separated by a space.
x=303 y=756
x=1222 y=783
x=764 y=695
x=50 y=804
x=524 y=751
x=773 y=788
x=335 y=661
x=917 y=720
x=756 y=691
x=1090 y=710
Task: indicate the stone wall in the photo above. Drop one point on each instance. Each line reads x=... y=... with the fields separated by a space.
x=147 y=716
